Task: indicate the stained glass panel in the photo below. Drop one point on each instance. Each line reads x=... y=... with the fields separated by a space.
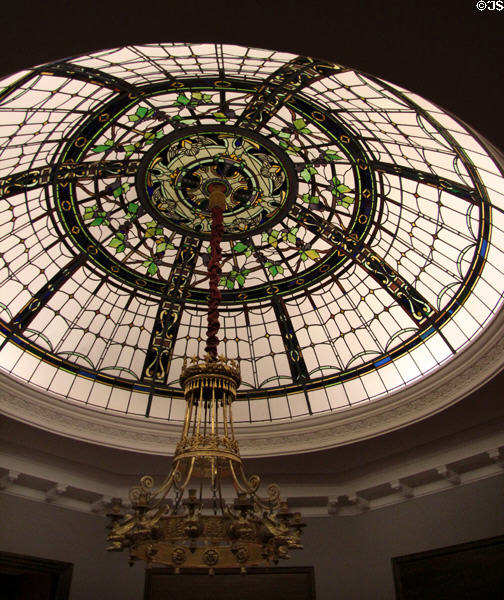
x=362 y=243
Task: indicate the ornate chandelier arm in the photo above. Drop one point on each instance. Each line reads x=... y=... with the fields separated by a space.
x=188 y=476
x=246 y=486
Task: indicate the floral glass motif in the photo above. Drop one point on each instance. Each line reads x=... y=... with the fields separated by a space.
x=362 y=236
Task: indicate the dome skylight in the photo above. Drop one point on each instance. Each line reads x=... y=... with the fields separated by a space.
x=362 y=247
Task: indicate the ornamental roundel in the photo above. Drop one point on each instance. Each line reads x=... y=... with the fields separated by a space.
x=176 y=175
x=362 y=233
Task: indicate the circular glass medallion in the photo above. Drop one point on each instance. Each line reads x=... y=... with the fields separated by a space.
x=176 y=175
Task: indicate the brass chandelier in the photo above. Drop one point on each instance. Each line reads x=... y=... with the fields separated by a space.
x=197 y=527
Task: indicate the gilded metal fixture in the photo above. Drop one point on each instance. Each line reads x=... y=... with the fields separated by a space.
x=199 y=528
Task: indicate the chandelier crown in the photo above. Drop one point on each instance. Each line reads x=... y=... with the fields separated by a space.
x=221 y=366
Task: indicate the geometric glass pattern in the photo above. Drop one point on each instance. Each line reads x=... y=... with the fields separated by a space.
x=362 y=246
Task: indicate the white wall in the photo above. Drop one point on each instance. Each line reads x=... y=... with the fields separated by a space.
x=351 y=555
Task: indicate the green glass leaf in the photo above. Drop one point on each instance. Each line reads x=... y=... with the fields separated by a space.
x=307 y=173
x=97 y=221
x=229 y=284
x=151 y=136
x=120 y=248
x=346 y=201
x=292 y=234
x=122 y=189
x=299 y=124
x=240 y=279
x=141 y=111
x=331 y=155
x=115 y=242
x=240 y=247
x=313 y=254
x=133 y=208
x=343 y=189
x=221 y=117
x=310 y=199
x=102 y=148
x=161 y=247
x=179 y=119
x=275 y=269
x=182 y=99
x=150 y=266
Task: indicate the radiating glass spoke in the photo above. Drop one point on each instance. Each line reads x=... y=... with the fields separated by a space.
x=63 y=172
x=452 y=187
x=167 y=321
x=417 y=307
x=293 y=349
x=280 y=87
x=90 y=75
x=37 y=302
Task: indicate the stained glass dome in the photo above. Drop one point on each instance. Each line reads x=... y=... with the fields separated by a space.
x=362 y=247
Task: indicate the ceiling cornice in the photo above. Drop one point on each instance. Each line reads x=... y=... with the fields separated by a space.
x=462 y=375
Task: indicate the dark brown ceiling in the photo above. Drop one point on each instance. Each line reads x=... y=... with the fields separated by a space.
x=448 y=51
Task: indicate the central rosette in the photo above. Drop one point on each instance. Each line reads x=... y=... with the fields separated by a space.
x=176 y=177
